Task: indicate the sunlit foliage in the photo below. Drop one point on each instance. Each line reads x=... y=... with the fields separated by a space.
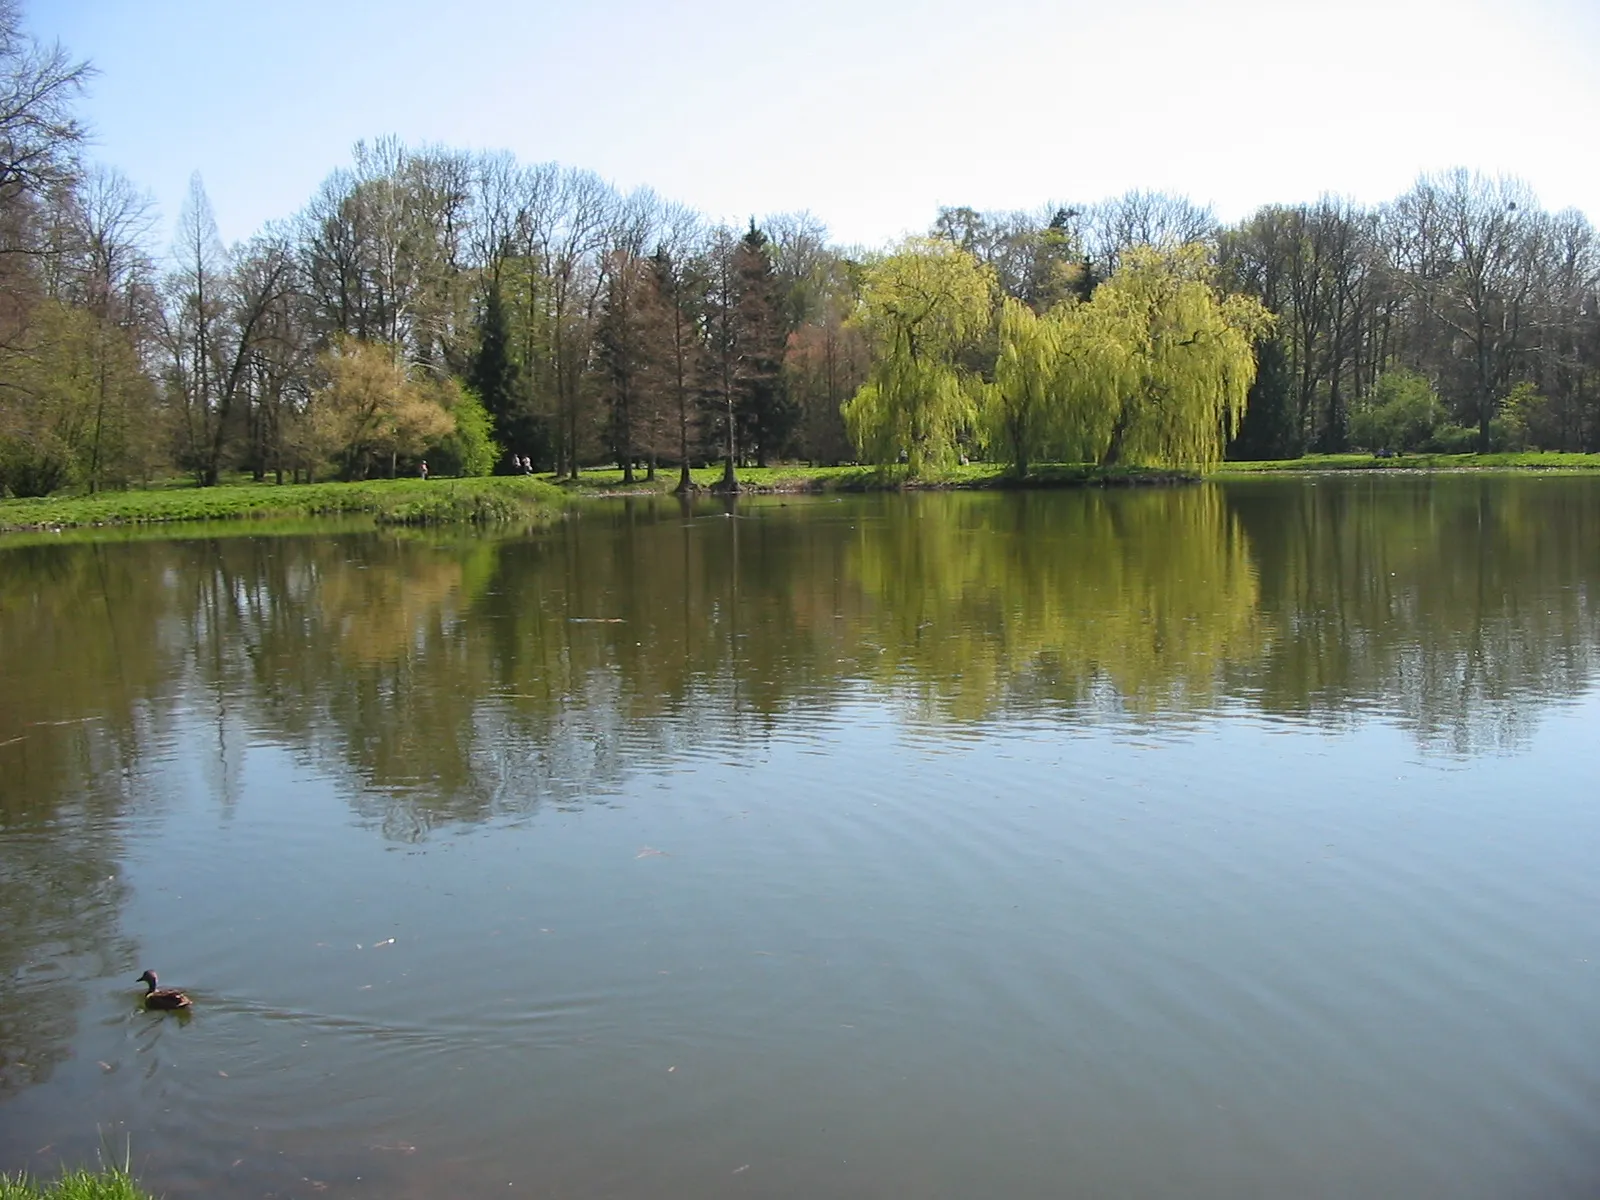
x=75 y=408
x=1189 y=358
x=921 y=307
x=369 y=413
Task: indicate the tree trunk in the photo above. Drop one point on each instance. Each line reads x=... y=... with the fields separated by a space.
x=1113 y=454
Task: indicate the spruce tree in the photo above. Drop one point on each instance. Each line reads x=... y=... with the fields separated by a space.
x=719 y=379
x=624 y=353
x=495 y=377
x=675 y=332
x=765 y=413
x=1268 y=430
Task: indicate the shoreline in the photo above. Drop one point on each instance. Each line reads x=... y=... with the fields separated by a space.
x=493 y=500
x=499 y=500
x=403 y=502
x=1522 y=462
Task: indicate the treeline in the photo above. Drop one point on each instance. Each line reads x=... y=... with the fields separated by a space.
x=482 y=314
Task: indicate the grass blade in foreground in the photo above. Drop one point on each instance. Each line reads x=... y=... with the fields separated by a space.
x=112 y=1184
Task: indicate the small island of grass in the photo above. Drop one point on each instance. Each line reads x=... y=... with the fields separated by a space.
x=386 y=501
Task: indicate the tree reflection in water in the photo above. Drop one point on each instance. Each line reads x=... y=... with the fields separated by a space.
x=461 y=678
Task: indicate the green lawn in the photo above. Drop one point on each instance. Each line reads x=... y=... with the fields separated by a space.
x=524 y=498
x=398 y=501
x=794 y=477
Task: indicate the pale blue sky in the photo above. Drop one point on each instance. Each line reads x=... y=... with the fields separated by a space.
x=869 y=114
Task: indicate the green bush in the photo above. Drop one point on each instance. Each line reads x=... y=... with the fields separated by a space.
x=471 y=448
x=36 y=467
x=1525 y=421
x=1507 y=434
x=1405 y=414
x=1454 y=439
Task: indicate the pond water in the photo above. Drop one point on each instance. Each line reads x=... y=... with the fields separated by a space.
x=1236 y=840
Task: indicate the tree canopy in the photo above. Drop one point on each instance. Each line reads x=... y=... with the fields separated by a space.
x=1186 y=359
x=599 y=326
x=921 y=308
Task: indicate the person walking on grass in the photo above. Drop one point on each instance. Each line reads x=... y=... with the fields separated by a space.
x=422 y=469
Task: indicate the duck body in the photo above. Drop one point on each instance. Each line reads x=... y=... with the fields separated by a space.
x=160 y=997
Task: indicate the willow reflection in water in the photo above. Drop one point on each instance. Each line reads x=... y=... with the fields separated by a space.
x=187 y=729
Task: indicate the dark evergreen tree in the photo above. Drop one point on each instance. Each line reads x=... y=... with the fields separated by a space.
x=720 y=361
x=676 y=332
x=624 y=353
x=766 y=416
x=495 y=377
x=1269 y=427
x=1055 y=264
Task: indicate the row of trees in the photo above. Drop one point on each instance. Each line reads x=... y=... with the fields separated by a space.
x=1460 y=316
x=1464 y=282
x=1154 y=368
x=478 y=311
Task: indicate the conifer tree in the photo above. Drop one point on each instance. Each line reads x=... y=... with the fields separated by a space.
x=766 y=414
x=1268 y=428
x=625 y=353
x=495 y=378
x=676 y=332
x=721 y=359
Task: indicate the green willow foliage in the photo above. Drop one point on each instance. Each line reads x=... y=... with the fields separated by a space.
x=1057 y=379
x=1189 y=358
x=920 y=309
x=1153 y=371
x=1018 y=409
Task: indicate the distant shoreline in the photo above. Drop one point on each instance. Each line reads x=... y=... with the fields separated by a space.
x=538 y=499
x=500 y=499
x=1529 y=462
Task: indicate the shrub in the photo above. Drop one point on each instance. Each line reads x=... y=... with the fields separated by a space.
x=1525 y=421
x=1454 y=439
x=1405 y=414
x=34 y=467
x=470 y=449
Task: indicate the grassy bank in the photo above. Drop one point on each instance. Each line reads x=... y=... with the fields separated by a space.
x=384 y=501
x=533 y=499
x=112 y=1184
x=797 y=478
x=502 y=499
x=1527 y=461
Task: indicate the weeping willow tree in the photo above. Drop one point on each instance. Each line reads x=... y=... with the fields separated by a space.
x=1019 y=409
x=1057 y=381
x=1153 y=371
x=921 y=307
x=1091 y=368
x=1188 y=358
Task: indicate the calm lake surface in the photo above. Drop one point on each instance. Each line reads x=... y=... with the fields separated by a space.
x=1237 y=840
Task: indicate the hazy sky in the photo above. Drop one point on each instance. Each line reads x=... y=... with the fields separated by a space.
x=869 y=113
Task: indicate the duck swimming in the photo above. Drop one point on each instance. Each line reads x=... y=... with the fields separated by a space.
x=160 y=997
